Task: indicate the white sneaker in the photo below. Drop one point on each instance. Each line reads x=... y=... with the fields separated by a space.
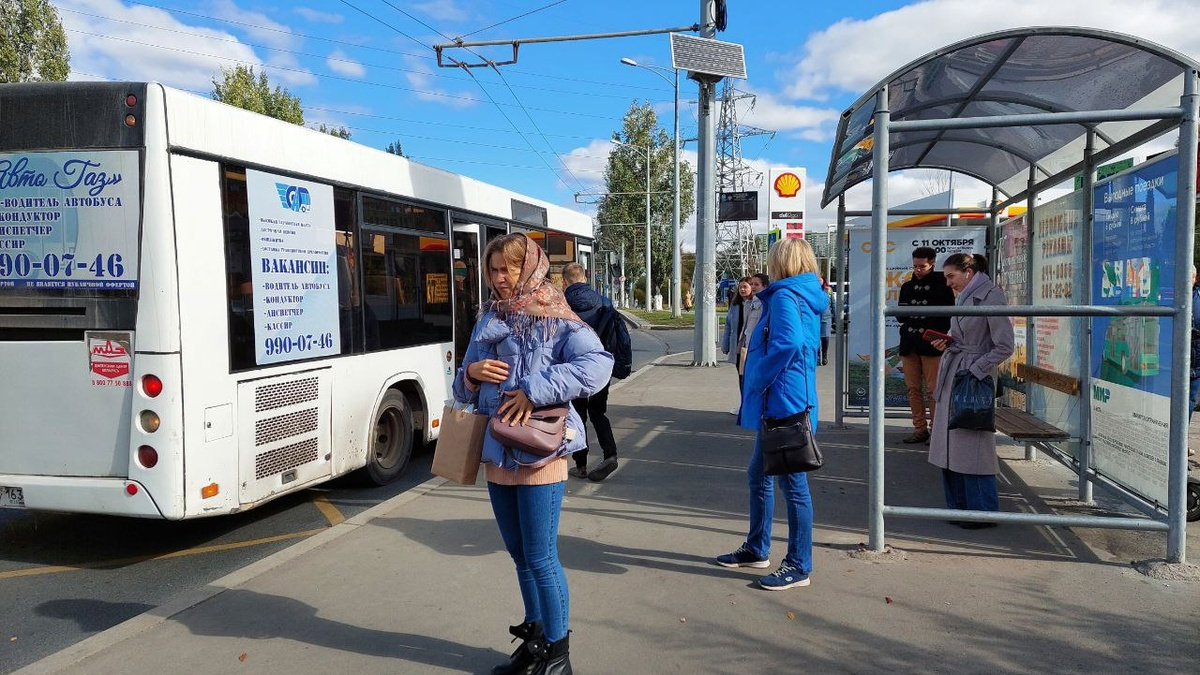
x=735 y=410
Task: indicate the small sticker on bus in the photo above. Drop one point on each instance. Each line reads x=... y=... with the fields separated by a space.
x=110 y=358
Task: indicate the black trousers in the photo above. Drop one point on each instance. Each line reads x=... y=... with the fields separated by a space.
x=596 y=407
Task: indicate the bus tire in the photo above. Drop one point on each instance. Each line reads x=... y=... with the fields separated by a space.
x=391 y=440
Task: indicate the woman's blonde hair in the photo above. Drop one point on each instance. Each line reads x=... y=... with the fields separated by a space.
x=789 y=257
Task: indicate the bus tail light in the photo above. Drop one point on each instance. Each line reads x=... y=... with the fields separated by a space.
x=147 y=456
x=209 y=490
x=151 y=385
x=149 y=421
x=131 y=489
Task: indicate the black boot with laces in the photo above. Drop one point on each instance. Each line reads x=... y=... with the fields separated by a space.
x=522 y=659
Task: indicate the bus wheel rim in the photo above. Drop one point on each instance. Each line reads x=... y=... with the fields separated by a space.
x=387 y=438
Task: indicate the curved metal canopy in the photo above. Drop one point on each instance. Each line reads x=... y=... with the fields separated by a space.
x=1013 y=72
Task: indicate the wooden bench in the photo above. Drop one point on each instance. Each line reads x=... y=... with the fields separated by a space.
x=1020 y=425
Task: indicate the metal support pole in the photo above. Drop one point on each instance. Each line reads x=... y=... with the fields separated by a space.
x=676 y=262
x=1185 y=240
x=839 y=304
x=649 y=305
x=879 y=205
x=624 y=298
x=1030 y=335
x=705 y=332
x=1083 y=281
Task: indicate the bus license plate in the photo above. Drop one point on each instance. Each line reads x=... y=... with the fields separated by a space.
x=11 y=497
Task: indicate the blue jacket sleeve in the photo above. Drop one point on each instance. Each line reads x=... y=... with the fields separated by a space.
x=580 y=367
x=782 y=340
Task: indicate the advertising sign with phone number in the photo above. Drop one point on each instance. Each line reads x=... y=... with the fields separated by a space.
x=293 y=255
x=69 y=220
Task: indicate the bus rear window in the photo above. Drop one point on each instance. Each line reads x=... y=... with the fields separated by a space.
x=69 y=223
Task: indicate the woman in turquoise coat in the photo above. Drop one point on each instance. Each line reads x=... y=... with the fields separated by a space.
x=781 y=380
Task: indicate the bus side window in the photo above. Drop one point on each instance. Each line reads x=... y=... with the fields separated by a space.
x=237 y=269
x=406 y=287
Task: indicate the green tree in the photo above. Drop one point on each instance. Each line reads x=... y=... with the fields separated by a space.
x=33 y=47
x=340 y=132
x=239 y=87
x=394 y=148
x=624 y=205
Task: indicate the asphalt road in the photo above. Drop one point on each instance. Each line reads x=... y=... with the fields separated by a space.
x=65 y=577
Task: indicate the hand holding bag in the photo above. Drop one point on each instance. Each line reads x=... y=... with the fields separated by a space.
x=972 y=403
x=459 y=447
x=542 y=434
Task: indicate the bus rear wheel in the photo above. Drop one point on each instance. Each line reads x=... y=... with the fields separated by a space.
x=391 y=441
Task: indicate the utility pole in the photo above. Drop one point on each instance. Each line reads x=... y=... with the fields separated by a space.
x=705 y=332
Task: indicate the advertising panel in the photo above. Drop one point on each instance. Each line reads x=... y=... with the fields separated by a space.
x=898 y=263
x=786 y=201
x=1057 y=260
x=1009 y=273
x=295 y=268
x=69 y=220
x=1133 y=263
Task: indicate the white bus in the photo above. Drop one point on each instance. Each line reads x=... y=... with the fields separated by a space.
x=202 y=308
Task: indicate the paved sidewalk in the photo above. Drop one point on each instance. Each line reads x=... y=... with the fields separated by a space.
x=421 y=584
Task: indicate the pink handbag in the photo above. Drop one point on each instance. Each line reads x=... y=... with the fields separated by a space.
x=542 y=434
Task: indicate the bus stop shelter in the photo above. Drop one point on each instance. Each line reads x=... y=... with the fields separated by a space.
x=1025 y=110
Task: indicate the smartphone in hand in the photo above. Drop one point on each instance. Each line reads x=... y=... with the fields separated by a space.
x=929 y=335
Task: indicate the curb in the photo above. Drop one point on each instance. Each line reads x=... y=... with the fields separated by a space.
x=141 y=623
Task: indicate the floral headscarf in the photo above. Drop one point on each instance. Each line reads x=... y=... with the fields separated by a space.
x=533 y=295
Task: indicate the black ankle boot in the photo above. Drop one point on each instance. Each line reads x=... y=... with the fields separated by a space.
x=551 y=657
x=522 y=658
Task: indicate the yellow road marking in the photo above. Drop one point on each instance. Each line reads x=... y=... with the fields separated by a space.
x=328 y=510
x=215 y=548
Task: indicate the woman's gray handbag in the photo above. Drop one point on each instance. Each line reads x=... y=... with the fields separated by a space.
x=542 y=434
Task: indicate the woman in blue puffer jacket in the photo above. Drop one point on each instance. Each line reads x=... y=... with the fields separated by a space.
x=530 y=350
x=781 y=380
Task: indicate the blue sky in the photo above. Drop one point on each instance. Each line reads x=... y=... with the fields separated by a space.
x=542 y=126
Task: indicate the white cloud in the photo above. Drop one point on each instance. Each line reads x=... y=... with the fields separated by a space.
x=852 y=55
x=316 y=16
x=342 y=64
x=442 y=10
x=422 y=78
x=127 y=51
x=803 y=122
x=257 y=25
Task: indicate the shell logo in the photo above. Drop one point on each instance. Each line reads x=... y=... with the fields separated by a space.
x=787 y=184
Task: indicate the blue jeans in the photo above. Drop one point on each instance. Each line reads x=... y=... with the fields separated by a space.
x=969 y=491
x=794 y=487
x=528 y=520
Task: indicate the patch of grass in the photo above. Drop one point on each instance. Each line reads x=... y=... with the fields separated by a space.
x=686 y=320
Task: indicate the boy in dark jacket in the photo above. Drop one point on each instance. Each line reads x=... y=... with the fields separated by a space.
x=918 y=357
x=598 y=312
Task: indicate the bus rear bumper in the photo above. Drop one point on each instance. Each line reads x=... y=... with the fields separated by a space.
x=75 y=494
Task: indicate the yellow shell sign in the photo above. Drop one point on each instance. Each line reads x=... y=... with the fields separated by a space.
x=787 y=184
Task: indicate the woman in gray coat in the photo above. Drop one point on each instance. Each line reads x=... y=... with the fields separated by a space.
x=980 y=344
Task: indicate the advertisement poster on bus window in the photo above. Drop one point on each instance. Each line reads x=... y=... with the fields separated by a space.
x=1133 y=263
x=898 y=265
x=69 y=220
x=294 y=263
x=1057 y=261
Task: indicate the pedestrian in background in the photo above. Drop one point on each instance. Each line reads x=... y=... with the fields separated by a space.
x=979 y=344
x=529 y=349
x=752 y=310
x=781 y=380
x=826 y=323
x=596 y=311
x=918 y=358
x=735 y=320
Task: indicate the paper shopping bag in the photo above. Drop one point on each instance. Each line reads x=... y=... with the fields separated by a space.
x=459 y=445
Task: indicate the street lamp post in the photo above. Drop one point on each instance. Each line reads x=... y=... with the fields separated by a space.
x=647 y=151
x=676 y=268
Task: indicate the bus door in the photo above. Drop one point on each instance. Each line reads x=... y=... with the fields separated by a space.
x=467 y=284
